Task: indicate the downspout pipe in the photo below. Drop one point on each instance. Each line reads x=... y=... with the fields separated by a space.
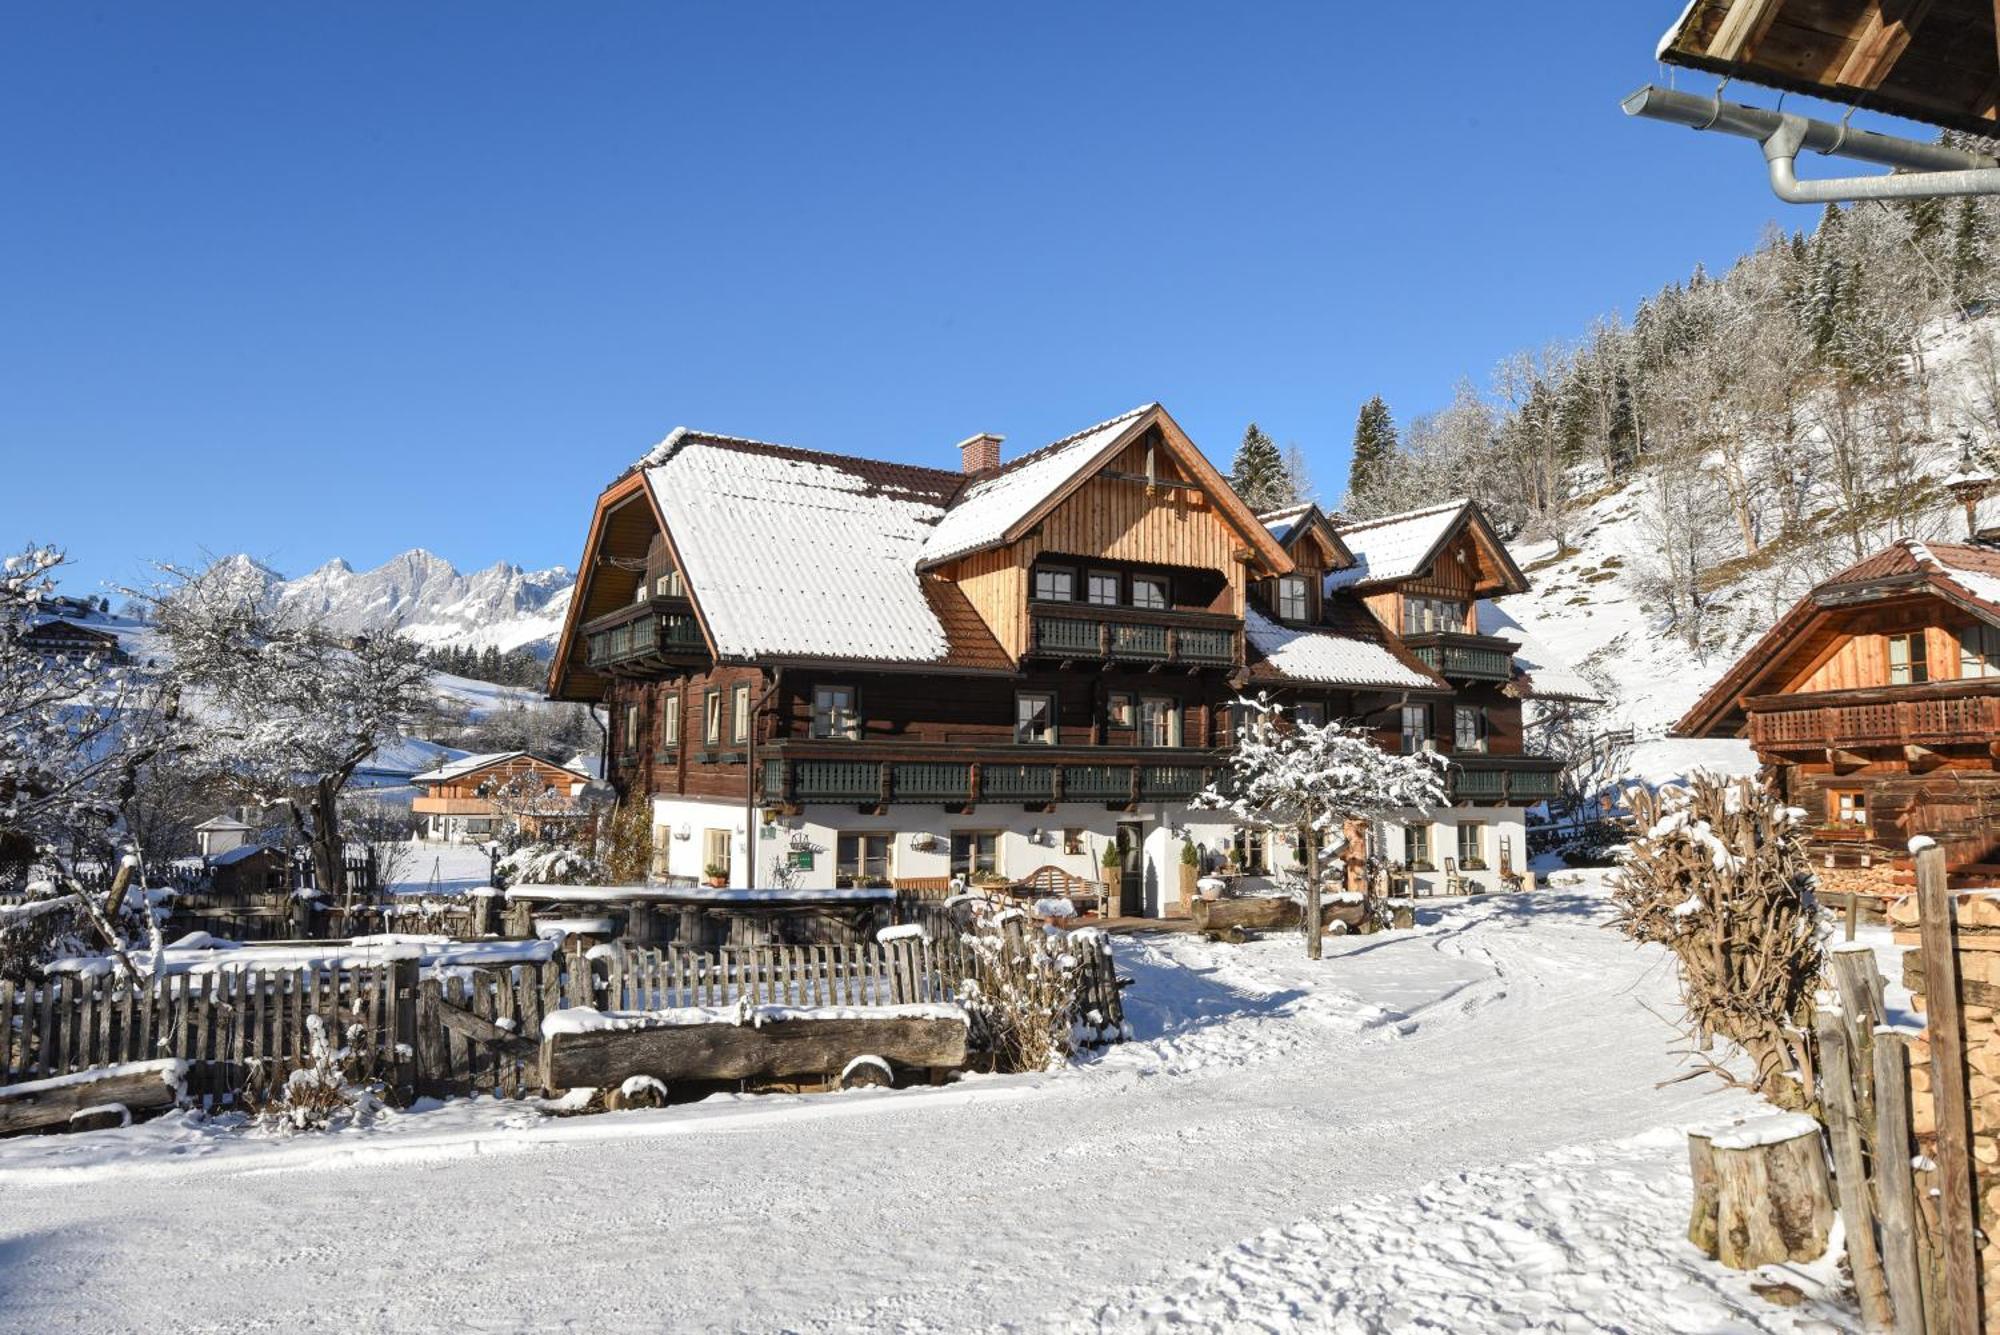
x=1921 y=171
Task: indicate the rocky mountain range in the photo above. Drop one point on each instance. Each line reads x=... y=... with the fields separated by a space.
x=427 y=598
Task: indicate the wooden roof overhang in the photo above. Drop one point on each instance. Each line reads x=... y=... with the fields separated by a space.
x=1501 y=577
x=622 y=526
x=1261 y=549
x=1314 y=524
x=1935 y=61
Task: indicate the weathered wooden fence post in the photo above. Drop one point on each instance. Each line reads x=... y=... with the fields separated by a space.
x=1948 y=1085
x=1895 y=1187
x=403 y=982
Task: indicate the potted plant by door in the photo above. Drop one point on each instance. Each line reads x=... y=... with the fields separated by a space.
x=1190 y=871
x=717 y=874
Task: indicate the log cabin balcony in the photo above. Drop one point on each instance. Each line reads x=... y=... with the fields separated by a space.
x=1459 y=657
x=1502 y=780
x=874 y=775
x=1938 y=715
x=645 y=639
x=1082 y=632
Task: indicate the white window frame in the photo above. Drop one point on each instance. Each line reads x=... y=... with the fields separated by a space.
x=1476 y=858
x=834 y=715
x=739 y=714
x=1473 y=739
x=670 y=721
x=1294 y=603
x=1153 y=710
x=713 y=839
x=1418 y=738
x=1419 y=848
x=633 y=729
x=669 y=585
x=711 y=717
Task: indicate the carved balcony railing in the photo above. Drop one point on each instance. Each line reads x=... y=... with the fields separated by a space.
x=1130 y=635
x=870 y=775
x=1464 y=657
x=1935 y=715
x=647 y=637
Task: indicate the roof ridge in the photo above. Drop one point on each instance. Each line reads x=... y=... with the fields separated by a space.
x=1042 y=451
x=682 y=436
x=1458 y=503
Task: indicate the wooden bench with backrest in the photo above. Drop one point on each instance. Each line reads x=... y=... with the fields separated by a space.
x=1054 y=883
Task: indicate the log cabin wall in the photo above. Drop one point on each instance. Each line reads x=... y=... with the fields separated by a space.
x=683 y=762
x=1862 y=660
x=469 y=784
x=1467 y=580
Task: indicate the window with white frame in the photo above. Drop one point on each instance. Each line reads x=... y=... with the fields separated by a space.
x=1416 y=729
x=1468 y=730
x=739 y=714
x=1055 y=585
x=834 y=715
x=711 y=719
x=1118 y=710
x=1979 y=651
x=670 y=721
x=1428 y=616
x=669 y=585
x=1250 y=850
x=1472 y=845
x=1150 y=591
x=1035 y=718
x=633 y=715
x=1417 y=847
x=1159 y=721
x=862 y=858
x=1847 y=806
x=1293 y=604
x=715 y=852
x=1104 y=588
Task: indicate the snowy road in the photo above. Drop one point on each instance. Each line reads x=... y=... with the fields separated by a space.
x=1388 y=1136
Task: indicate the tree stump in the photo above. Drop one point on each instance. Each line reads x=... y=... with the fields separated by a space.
x=1774 y=1200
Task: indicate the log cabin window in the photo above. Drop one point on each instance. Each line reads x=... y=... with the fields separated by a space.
x=1416 y=729
x=711 y=718
x=1907 y=666
x=1417 y=847
x=1847 y=807
x=1471 y=846
x=643 y=592
x=669 y=586
x=1292 y=601
x=631 y=729
x=1429 y=616
x=1055 y=585
x=834 y=715
x=1468 y=732
x=739 y=714
x=862 y=859
x=670 y=721
x=1979 y=651
x=1150 y=591
x=1118 y=710
x=1035 y=718
x=1159 y=721
x=975 y=853
x=1104 y=588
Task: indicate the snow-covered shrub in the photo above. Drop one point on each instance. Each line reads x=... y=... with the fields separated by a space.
x=624 y=843
x=326 y=1094
x=1023 y=998
x=550 y=864
x=1719 y=876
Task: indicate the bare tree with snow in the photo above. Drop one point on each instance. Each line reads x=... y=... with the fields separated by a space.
x=1309 y=780
x=280 y=707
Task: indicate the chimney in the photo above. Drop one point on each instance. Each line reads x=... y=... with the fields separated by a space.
x=980 y=453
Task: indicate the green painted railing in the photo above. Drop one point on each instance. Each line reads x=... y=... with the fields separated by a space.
x=837 y=780
x=930 y=781
x=1167 y=782
x=1097 y=783
x=1137 y=640
x=1204 y=646
x=1069 y=635
x=1020 y=783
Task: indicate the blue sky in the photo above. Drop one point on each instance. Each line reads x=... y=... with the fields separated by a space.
x=347 y=279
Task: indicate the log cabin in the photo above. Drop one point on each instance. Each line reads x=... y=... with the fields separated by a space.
x=841 y=671
x=460 y=801
x=1874 y=705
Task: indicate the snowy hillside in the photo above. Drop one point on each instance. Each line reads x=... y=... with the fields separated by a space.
x=424 y=596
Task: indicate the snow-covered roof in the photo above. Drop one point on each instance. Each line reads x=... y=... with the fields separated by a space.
x=224 y=823
x=231 y=856
x=1551 y=678
x=988 y=508
x=797 y=554
x=1974 y=570
x=1280 y=523
x=470 y=764
x=1328 y=657
x=1394 y=546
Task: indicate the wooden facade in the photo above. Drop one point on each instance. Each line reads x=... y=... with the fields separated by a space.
x=1875 y=707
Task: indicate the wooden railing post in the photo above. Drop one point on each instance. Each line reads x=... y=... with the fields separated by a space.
x=1948 y=1087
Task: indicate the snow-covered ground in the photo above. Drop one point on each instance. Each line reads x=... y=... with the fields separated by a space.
x=432 y=867
x=1459 y=1128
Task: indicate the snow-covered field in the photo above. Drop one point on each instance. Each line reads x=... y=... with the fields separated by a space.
x=1459 y=1128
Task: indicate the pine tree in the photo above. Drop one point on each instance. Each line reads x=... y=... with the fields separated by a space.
x=1374 y=450
x=1965 y=267
x=1258 y=474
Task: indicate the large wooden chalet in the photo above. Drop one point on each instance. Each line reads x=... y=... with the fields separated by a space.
x=1875 y=705
x=868 y=672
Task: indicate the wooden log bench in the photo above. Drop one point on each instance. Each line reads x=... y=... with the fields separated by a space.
x=1261 y=913
x=583 y=1049
x=89 y=1099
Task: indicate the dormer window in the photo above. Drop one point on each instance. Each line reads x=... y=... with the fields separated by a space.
x=1055 y=585
x=1429 y=616
x=1907 y=662
x=669 y=586
x=1292 y=601
x=1150 y=591
x=1104 y=588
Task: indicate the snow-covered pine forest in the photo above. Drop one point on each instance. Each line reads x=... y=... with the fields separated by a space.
x=1676 y=477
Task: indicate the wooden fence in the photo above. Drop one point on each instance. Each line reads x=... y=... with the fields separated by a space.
x=460 y=1030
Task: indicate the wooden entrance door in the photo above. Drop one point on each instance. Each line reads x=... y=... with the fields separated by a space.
x=1131 y=869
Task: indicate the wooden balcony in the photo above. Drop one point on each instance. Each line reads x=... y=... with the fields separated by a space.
x=1937 y=716
x=1464 y=657
x=1080 y=631
x=1503 y=780
x=1035 y=776
x=645 y=639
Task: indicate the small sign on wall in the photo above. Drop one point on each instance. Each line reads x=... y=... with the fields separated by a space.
x=802 y=859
